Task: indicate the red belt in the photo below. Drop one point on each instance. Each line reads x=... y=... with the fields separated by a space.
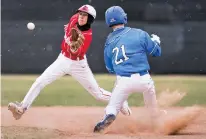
x=73 y=57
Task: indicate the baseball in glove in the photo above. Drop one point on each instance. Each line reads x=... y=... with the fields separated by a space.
x=77 y=39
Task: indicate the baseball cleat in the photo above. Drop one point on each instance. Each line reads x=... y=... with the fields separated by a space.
x=16 y=110
x=125 y=110
x=104 y=123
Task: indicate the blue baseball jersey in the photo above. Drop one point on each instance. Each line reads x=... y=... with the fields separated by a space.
x=126 y=51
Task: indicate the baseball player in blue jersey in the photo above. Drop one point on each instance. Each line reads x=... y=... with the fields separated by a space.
x=125 y=55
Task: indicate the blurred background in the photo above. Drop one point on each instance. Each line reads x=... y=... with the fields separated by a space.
x=25 y=54
x=181 y=25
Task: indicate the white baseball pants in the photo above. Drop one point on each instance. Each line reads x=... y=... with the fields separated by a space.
x=128 y=85
x=61 y=66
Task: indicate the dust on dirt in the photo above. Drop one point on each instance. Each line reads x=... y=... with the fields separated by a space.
x=78 y=122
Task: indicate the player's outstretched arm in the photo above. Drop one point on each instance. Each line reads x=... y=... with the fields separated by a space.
x=108 y=60
x=152 y=44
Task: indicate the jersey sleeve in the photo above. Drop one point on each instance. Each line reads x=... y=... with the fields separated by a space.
x=151 y=47
x=108 y=59
x=72 y=22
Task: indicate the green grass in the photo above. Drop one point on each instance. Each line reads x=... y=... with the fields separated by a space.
x=68 y=92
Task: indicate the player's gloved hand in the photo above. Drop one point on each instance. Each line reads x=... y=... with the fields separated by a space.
x=155 y=38
x=77 y=39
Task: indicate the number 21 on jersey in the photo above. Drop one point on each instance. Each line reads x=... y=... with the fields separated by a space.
x=117 y=50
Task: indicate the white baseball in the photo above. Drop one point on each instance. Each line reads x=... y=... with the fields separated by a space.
x=30 y=26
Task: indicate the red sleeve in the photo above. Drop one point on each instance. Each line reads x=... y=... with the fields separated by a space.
x=87 y=42
x=72 y=23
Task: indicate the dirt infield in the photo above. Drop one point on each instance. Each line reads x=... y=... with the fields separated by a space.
x=78 y=123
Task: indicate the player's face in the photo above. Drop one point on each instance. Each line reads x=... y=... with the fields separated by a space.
x=83 y=17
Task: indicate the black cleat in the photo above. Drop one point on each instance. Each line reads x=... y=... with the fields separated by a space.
x=105 y=123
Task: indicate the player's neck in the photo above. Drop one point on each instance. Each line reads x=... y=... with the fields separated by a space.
x=116 y=27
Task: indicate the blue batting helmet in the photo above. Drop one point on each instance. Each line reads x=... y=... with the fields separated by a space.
x=115 y=15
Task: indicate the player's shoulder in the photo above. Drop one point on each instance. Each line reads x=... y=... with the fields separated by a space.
x=108 y=38
x=116 y=34
x=138 y=30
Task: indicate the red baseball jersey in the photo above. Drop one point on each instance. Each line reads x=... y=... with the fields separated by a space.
x=83 y=49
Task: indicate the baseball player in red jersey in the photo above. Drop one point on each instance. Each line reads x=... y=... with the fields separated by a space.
x=72 y=60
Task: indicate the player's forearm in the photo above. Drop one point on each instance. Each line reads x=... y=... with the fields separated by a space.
x=72 y=22
x=156 y=51
x=108 y=64
x=110 y=70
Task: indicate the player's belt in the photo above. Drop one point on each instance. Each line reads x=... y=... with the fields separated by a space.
x=76 y=58
x=72 y=57
x=143 y=72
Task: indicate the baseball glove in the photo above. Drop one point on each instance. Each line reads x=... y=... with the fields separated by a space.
x=77 y=39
